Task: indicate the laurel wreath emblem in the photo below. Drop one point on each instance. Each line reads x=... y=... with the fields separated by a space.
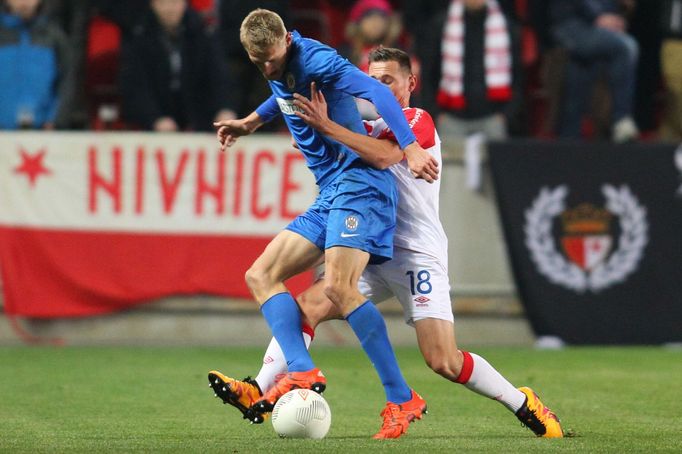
x=621 y=263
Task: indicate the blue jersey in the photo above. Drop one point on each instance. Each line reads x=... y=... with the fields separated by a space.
x=340 y=81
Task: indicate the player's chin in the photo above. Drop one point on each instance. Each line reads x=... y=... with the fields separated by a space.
x=274 y=76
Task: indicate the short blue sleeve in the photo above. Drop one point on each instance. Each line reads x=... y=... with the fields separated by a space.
x=269 y=109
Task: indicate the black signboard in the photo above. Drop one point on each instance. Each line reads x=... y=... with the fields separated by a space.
x=594 y=233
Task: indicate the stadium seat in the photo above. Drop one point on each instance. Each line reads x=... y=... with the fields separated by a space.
x=101 y=67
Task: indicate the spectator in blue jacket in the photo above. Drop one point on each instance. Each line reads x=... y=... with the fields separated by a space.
x=36 y=76
x=593 y=32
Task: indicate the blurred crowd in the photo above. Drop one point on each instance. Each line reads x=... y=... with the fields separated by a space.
x=599 y=69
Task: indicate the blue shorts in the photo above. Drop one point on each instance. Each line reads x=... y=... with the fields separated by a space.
x=357 y=210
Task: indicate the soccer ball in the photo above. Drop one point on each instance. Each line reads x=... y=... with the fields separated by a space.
x=301 y=413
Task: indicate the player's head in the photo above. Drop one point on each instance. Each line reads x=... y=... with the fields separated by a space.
x=392 y=67
x=266 y=41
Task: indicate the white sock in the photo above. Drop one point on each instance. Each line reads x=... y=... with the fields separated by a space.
x=479 y=376
x=274 y=364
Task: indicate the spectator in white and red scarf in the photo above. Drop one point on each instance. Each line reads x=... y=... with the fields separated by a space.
x=479 y=89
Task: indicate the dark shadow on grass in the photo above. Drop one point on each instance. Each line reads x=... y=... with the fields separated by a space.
x=431 y=437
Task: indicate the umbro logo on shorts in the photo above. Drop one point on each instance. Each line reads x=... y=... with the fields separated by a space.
x=422 y=301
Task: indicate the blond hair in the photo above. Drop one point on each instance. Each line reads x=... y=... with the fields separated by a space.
x=260 y=30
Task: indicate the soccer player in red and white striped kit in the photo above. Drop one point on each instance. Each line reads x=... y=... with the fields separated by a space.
x=417 y=275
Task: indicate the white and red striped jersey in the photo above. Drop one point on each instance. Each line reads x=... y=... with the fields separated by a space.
x=418 y=226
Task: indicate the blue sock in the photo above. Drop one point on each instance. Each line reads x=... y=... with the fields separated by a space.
x=284 y=317
x=370 y=329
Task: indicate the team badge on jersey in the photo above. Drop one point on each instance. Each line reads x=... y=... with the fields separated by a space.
x=291 y=81
x=352 y=223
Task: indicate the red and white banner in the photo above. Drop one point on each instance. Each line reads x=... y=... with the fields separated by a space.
x=95 y=222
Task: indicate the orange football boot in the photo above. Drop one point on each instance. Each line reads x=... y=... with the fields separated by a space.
x=241 y=394
x=311 y=379
x=537 y=417
x=397 y=417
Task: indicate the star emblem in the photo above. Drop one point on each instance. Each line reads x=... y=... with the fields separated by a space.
x=32 y=165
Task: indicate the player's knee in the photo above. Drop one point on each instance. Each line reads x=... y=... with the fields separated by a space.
x=446 y=366
x=304 y=301
x=310 y=306
x=336 y=292
x=442 y=368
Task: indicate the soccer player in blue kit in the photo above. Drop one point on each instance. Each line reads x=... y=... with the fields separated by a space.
x=420 y=249
x=351 y=222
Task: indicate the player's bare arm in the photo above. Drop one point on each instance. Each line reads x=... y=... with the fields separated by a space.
x=228 y=131
x=379 y=153
x=376 y=152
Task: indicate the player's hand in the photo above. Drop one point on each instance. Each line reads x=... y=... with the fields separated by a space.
x=314 y=110
x=421 y=163
x=228 y=131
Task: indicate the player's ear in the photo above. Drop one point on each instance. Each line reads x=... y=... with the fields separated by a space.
x=288 y=39
x=412 y=83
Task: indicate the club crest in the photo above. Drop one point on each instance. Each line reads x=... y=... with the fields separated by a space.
x=352 y=223
x=599 y=247
x=291 y=81
x=586 y=239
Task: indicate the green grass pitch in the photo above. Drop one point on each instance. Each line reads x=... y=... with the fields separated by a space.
x=157 y=400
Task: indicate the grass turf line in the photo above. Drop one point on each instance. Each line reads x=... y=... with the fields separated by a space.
x=157 y=399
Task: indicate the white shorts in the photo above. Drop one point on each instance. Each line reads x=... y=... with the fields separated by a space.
x=419 y=282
